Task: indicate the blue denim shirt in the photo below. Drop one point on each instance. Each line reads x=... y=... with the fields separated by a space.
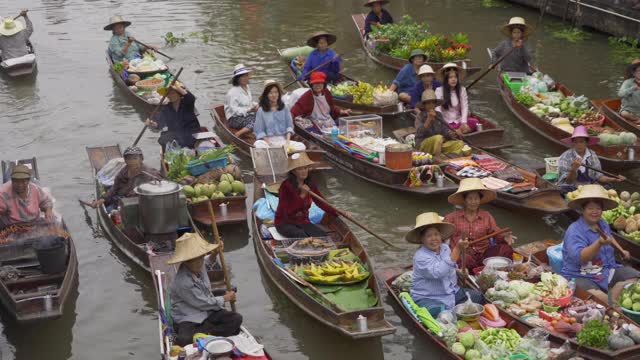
x=418 y=89
x=317 y=58
x=273 y=123
x=434 y=276
x=578 y=236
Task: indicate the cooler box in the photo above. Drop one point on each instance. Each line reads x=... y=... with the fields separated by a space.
x=555 y=257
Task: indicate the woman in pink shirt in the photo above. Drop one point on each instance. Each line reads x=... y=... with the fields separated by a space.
x=22 y=201
x=455 y=102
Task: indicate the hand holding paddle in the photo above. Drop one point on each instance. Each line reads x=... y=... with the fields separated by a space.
x=619 y=177
x=154 y=48
x=611 y=240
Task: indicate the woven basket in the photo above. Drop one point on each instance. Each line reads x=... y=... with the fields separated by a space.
x=151 y=84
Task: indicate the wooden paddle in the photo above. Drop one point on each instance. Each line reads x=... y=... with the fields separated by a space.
x=611 y=174
x=312 y=70
x=153 y=113
x=345 y=215
x=216 y=237
x=491 y=67
x=304 y=282
x=615 y=243
x=496 y=233
x=158 y=51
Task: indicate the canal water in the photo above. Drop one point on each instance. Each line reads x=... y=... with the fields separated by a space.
x=73 y=103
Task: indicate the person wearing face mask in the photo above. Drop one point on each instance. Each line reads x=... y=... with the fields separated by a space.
x=435 y=286
x=321 y=54
x=520 y=59
x=317 y=104
x=123 y=45
x=22 y=201
x=588 y=241
x=571 y=165
x=133 y=174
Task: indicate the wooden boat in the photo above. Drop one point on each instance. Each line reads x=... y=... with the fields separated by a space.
x=393 y=62
x=245 y=143
x=389 y=275
x=343 y=322
x=611 y=157
x=544 y=198
x=490 y=138
x=26 y=67
x=369 y=171
x=26 y=293
x=347 y=102
x=611 y=109
x=163 y=275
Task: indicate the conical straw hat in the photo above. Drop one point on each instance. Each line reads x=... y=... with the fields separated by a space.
x=190 y=246
x=469 y=185
x=593 y=192
x=427 y=220
x=299 y=159
x=517 y=21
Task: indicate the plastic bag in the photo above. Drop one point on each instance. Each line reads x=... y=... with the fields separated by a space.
x=265 y=209
x=404 y=281
x=535 y=344
x=564 y=352
x=385 y=98
x=551 y=84
x=109 y=171
x=593 y=314
x=290 y=99
x=449 y=325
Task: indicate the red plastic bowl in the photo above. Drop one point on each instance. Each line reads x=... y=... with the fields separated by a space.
x=562 y=302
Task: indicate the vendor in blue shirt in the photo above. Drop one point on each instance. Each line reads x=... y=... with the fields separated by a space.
x=322 y=54
x=589 y=240
x=426 y=80
x=435 y=282
x=377 y=16
x=406 y=78
x=179 y=117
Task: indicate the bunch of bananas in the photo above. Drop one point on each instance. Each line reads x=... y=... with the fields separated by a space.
x=362 y=93
x=331 y=272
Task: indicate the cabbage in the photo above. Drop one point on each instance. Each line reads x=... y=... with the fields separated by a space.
x=628 y=138
x=458 y=348
x=467 y=339
x=522 y=288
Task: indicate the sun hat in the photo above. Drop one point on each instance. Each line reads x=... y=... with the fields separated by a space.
x=21 y=172
x=131 y=151
x=318 y=77
x=116 y=19
x=430 y=96
x=371 y=2
x=425 y=69
x=593 y=192
x=517 y=21
x=469 y=185
x=429 y=219
x=418 y=52
x=462 y=73
x=313 y=40
x=240 y=69
x=299 y=159
x=190 y=246
x=273 y=188
x=268 y=83
x=10 y=26
x=581 y=132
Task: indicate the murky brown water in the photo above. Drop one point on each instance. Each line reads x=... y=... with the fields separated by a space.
x=73 y=103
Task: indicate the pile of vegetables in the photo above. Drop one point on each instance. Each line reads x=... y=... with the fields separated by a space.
x=465 y=346
x=552 y=286
x=625 y=218
x=178 y=162
x=400 y=38
x=617 y=139
x=508 y=337
x=226 y=185
x=595 y=334
x=630 y=297
x=526 y=99
x=213 y=154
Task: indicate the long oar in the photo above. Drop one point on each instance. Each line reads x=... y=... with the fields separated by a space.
x=491 y=67
x=499 y=232
x=611 y=174
x=344 y=214
x=216 y=237
x=153 y=113
x=158 y=51
x=312 y=70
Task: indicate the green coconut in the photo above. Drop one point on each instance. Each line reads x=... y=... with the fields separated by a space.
x=227 y=177
x=189 y=191
x=238 y=187
x=225 y=187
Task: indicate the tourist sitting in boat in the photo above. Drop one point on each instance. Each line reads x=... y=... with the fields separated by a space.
x=471 y=222
x=133 y=174
x=433 y=136
x=377 y=16
x=588 y=249
x=22 y=201
x=14 y=37
x=274 y=125
x=519 y=60
x=629 y=94
x=122 y=45
x=239 y=107
x=320 y=55
x=455 y=102
x=435 y=282
x=572 y=165
x=409 y=75
x=317 y=104
x=292 y=214
x=178 y=116
x=426 y=80
x=194 y=309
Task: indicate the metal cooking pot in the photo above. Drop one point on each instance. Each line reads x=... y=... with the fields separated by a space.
x=159 y=206
x=219 y=347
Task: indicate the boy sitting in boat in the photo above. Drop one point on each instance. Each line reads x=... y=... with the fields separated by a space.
x=14 y=37
x=317 y=104
x=178 y=116
x=22 y=201
x=194 y=309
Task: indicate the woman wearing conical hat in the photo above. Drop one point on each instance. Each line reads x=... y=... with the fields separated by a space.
x=588 y=241
x=517 y=32
x=377 y=16
x=14 y=37
x=471 y=222
x=194 y=309
x=122 y=45
x=435 y=286
x=321 y=54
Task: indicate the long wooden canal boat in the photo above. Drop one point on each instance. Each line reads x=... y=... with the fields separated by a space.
x=26 y=66
x=28 y=291
x=611 y=157
x=392 y=62
x=611 y=108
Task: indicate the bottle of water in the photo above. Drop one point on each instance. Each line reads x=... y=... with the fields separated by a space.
x=572 y=285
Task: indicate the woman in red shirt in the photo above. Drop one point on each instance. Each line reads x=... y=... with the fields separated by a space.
x=292 y=215
x=471 y=223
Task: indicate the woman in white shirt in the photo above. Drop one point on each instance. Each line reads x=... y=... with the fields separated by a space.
x=239 y=107
x=455 y=102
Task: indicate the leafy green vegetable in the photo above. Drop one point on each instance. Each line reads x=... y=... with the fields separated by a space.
x=526 y=99
x=178 y=165
x=594 y=333
x=118 y=66
x=573 y=35
x=624 y=49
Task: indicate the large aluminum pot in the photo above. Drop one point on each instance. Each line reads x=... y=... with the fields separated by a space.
x=159 y=206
